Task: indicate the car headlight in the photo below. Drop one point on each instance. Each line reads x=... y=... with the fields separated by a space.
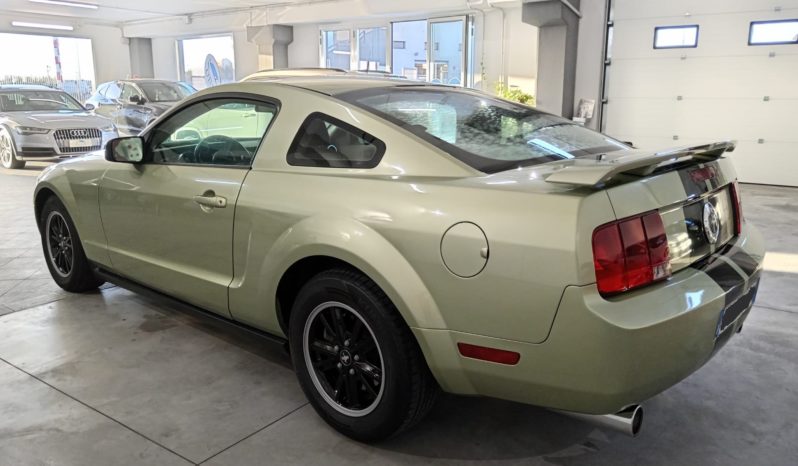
x=28 y=130
x=107 y=129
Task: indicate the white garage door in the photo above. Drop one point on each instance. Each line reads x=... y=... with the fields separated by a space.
x=721 y=89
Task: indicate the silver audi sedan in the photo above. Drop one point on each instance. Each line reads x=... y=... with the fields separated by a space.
x=44 y=124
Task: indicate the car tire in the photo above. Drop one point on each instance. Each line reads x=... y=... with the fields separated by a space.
x=8 y=153
x=356 y=359
x=63 y=250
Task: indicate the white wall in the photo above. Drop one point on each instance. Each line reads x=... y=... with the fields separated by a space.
x=164 y=58
x=303 y=52
x=246 y=54
x=521 y=51
x=520 y=63
x=722 y=84
x=111 y=52
x=589 y=56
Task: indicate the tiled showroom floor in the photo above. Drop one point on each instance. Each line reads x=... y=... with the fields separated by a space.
x=114 y=378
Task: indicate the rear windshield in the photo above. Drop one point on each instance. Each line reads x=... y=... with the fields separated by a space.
x=489 y=134
x=38 y=101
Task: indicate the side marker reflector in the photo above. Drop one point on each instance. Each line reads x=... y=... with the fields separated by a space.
x=483 y=353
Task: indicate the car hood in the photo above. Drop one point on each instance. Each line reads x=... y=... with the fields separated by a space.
x=59 y=120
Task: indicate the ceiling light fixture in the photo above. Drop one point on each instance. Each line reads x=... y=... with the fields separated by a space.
x=23 y=24
x=90 y=6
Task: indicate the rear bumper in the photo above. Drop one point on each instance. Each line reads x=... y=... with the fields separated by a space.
x=603 y=355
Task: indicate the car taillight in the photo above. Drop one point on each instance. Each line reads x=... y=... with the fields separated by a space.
x=630 y=253
x=738 y=208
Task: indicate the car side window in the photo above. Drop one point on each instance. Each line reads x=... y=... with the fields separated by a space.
x=324 y=141
x=113 y=92
x=225 y=131
x=128 y=91
x=102 y=89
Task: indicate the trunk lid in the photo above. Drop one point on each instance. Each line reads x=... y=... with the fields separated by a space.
x=692 y=188
x=693 y=191
x=607 y=168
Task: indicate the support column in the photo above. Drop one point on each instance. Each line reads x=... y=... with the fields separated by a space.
x=558 y=24
x=141 y=64
x=272 y=42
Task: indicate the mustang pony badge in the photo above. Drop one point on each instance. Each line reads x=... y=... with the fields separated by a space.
x=711 y=223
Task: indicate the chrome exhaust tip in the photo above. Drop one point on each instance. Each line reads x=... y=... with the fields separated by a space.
x=628 y=421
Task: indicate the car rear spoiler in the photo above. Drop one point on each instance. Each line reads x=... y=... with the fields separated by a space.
x=597 y=171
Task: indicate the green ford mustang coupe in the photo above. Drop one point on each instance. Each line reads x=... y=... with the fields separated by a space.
x=404 y=238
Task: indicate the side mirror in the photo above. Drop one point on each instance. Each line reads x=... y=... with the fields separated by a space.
x=127 y=150
x=137 y=99
x=89 y=106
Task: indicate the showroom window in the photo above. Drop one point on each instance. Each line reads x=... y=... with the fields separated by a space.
x=773 y=32
x=337 y=49
x=372 y=49
x=404 y=49
x=676 y=37
x=207 y=61
x=64 y=63
x=444 y=62
x=409 y=50
x=324 y=141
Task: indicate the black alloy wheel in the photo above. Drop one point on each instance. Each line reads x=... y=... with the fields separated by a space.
x=346 y=360
x=59 y=244
x=356 y=359
x=63 y=251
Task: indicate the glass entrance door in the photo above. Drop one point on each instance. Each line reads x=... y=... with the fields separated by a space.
x=447 y=51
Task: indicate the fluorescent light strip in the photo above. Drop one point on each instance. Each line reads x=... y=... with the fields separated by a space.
x=23 y=24
x=90 y=6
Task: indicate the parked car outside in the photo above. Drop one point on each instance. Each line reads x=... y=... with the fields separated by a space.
x=405 y=238
x=134 y=103
x=42 y=124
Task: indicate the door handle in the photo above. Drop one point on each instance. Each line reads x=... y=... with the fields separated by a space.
x=209 y=200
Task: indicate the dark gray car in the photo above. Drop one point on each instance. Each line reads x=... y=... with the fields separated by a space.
x=133 y=103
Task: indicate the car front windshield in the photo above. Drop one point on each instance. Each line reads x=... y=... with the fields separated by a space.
x=489 y=134
x=38 y=101
x=163 y=91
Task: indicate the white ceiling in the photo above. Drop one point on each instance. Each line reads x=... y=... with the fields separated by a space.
x=119 y=11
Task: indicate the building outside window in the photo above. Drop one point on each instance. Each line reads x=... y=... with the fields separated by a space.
x=64 y=63
x=409 y=60
x=783 y=31
x=437 y=50
x=371 y=49
x=676 y=37
x=207 y=61
x=337 y=49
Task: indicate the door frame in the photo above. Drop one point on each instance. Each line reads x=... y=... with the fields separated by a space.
x=147 y=135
